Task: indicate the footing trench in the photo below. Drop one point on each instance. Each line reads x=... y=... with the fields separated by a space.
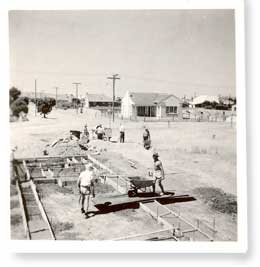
x=64 y=170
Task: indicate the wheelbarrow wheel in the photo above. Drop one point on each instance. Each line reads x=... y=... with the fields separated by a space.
x=131 y=193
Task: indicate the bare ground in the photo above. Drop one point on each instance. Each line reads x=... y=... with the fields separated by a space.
x=193 y=154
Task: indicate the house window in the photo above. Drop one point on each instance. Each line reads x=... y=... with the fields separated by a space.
x=171 y=109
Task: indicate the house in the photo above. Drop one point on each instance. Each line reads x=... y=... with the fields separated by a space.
x=203 y=99
x=150 y=105
x=101 y=102
x=97 y=100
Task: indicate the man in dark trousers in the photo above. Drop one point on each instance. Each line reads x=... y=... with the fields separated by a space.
x=146 y=138
x=158 y=173
x=86 y=187
x=100 y=132
x=122 y=133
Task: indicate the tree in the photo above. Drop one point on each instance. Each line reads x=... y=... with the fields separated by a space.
x=14 y=94
x=18 y=106
x=45 y=105
x=25 y=99
x=75 y=102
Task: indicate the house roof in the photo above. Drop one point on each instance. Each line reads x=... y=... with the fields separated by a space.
x=202 y=98
x=98 y=98
x=148 y=99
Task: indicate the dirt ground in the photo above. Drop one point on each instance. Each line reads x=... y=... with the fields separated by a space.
x=68 y=223
x=194 y=154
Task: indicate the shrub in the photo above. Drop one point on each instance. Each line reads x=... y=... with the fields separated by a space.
x=45 y=105
x=14 y=94
x=18 y=106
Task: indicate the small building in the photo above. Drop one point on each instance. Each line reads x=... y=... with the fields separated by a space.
x=157 y=105
x=97 y=100
x=102 y=103
x=203 y=100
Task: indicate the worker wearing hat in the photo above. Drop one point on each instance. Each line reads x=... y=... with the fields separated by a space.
x=86 y=186
x=158 y=173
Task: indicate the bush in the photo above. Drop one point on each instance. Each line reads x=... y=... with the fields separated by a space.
x=18 y=106
x=14 y=94
x=45 y=105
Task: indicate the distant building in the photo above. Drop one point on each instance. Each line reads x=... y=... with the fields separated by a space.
x=97 y=100
x=202 y=99
x=150 y=105
x=101 y=102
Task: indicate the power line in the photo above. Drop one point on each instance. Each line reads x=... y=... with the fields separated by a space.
x=114 y=78
x=148 y=79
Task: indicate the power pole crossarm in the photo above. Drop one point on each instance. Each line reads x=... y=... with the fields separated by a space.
x=114 y=78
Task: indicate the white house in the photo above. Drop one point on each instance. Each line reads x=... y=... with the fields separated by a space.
x=197 y=101
x=150 y=105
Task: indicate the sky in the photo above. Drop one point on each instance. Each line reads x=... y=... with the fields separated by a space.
x=183 y=52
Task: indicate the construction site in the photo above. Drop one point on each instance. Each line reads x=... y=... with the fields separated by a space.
x=199 y=160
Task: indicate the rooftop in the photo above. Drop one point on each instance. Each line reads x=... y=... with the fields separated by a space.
x=148 y=99
x=98 y=98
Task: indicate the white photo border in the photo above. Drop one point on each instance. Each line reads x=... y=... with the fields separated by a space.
x=239 y=246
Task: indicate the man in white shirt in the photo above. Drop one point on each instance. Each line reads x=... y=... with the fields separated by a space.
x=100 y=132
x=86 y=186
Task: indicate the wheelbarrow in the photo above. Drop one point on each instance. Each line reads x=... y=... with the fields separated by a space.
x=137 y=183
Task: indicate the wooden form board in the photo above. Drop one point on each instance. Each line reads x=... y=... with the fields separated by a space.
x=40 y=206
x=25 y=223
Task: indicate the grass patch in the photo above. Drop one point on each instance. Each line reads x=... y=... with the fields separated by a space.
x=16 y=219
x=61 y=226
x=13 y=191
x=14 y=204
x=217 y=199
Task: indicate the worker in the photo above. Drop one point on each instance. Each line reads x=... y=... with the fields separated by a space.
x=146 y=138
x=158 y=173
x=100 y=132
x=122 y=133
x=86 y=187
x=85 y=136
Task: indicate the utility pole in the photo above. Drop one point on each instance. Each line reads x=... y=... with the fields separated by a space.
x=77 y=84
x=114 y=78
x=56 y=95
x=35 y=99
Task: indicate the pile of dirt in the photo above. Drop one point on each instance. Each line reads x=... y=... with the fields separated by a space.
x=99 y=145
x=217 y=199
x=66 y=149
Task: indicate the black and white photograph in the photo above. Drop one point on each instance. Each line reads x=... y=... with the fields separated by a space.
x=123 y=126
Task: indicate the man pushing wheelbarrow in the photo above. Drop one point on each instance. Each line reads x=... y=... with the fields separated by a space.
x=136 y=183
x=158 y=173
